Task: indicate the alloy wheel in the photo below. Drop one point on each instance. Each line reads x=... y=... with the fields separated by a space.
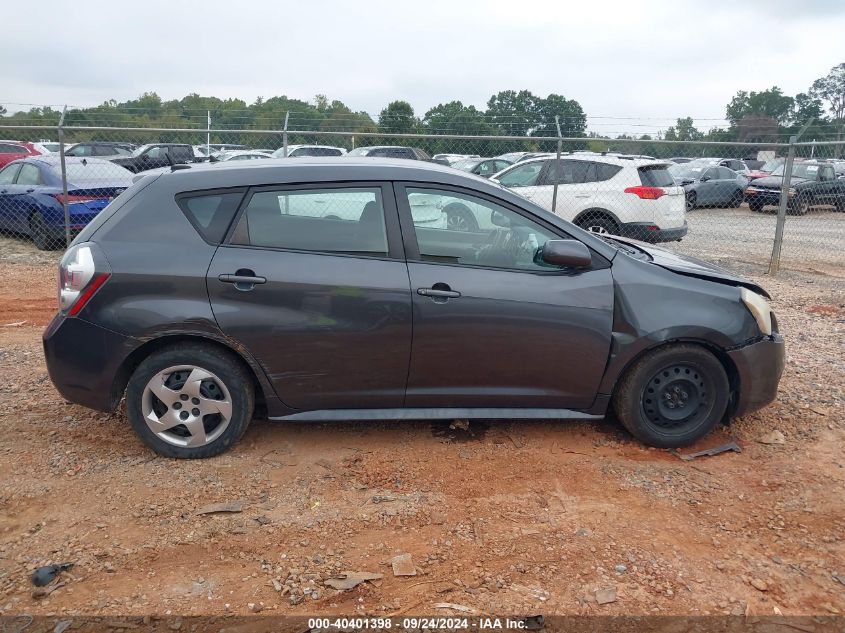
x=186 y=406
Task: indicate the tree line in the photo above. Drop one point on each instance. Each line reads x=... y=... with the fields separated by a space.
x=754 y=117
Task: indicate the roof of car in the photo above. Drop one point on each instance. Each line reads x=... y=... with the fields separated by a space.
x=54 y=160
x=598 y=158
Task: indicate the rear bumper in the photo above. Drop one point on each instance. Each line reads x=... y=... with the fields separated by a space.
x=759 y=366
x=83 y=359
x=649 y=232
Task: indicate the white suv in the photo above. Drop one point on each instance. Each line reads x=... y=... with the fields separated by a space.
x=620 y=195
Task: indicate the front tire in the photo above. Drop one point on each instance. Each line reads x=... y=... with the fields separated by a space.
x=190 y=401
x=691 y=200
x=736 y=199
x=801 y=206
x=672 y=396
x=756 y=206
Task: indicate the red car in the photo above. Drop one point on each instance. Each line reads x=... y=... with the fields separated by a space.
x=765 y=169
x=12 y=150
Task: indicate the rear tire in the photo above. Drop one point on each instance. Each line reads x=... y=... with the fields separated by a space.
x=460 y=218
x=672 y=396
x=209 y=389
x=40 y=234
x=599 y=223
x=736 y=199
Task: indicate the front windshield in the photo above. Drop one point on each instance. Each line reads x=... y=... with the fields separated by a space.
x=799 y=170
x=771 y=165
x=359 y=151
x=140 y=150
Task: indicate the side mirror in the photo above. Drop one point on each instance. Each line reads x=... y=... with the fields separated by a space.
x=704 y=178
x=499 y=219
x=569 y=253
x=145 y=157
x=687 y=181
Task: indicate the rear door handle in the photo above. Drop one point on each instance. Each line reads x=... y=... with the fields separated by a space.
x=433 y=292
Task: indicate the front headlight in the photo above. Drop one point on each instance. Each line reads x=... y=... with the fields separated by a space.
x=759 y=308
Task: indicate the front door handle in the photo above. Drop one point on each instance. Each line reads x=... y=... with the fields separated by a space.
x=437 y=292
x=243 y=279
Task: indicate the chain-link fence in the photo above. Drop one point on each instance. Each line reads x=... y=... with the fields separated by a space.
x=763 y=204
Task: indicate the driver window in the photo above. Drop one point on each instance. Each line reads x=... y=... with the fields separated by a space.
x=455 y=228
x=156 y=152
x=712 y=174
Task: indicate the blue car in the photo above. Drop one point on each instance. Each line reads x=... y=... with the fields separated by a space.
x=31 y=195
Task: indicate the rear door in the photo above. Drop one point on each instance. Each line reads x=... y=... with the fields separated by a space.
x=313 y=282
x=492 y=326
x=708 y=189
x=577 y=189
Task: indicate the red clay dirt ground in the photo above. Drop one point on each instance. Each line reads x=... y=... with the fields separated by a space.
x=503 y=517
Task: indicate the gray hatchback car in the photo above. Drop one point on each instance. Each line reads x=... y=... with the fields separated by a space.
x=334 y=289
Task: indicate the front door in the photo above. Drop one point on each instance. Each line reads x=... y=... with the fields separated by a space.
x=493 y=326
x=314 y=284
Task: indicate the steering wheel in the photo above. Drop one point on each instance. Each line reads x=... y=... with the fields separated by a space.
x=502 y=247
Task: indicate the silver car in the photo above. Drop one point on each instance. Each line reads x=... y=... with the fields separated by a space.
x=709 y=186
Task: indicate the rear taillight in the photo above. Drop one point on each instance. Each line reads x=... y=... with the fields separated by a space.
x=646 y=193
x=60 y=198
x=81 y=273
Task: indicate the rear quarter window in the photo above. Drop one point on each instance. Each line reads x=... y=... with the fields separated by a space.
x=657 y=176
x=210 y=212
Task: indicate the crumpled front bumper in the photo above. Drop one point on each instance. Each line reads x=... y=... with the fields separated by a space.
x=759 y=366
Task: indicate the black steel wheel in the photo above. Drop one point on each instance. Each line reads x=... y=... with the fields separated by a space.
x=673 y=396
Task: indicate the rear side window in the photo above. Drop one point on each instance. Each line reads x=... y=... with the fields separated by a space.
x=341 y=220
x=606 y=171
x=657 y=176
x=210 y=212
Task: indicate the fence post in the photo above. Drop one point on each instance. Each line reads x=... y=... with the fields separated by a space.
x=64 y=175
x=557 y=163
x=285 y=136
x=774 y=264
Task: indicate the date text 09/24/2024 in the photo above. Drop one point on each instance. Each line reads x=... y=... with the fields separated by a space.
x=417 y=623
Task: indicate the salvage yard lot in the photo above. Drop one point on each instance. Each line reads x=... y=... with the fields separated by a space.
x=506 y=517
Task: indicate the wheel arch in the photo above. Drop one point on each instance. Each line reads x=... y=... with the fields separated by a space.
x=143 y=351
x=719 y=352
x=596 y=211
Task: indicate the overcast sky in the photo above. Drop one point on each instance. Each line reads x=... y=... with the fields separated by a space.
x=652 y=61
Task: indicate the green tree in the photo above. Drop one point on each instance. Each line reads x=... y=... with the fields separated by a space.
x=456 y=118
x=397 y=118
x=573 y=121
x=683 y=130
x=771 y=103
x=831 y=90
x=512 y=113
x=807 y=107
